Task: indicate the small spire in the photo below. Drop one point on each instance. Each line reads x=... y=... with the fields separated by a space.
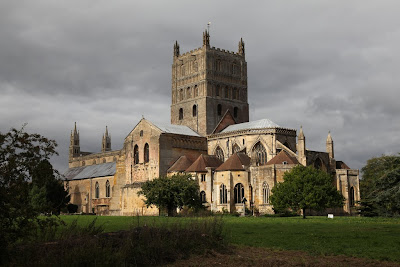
x=176 y=49
x=106 y=131
x=329 y=138
x=75 y=131
x=206 y=38
x=301 y=134
x=241 y=47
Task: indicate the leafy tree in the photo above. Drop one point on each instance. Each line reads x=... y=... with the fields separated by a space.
x=305 y=188
x=380 y=186
x=47 y=193
x=171 y=193
x=20 y=154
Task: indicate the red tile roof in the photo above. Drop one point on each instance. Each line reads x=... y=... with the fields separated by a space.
x=236 y=162
x=202 y=162
x=282 y=157
x=181 y=164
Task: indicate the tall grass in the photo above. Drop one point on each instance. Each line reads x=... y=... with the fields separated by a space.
x=142 y=244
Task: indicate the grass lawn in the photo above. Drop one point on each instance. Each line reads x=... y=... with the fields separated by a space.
x=376 y=238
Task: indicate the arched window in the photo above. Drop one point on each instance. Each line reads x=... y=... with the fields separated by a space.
x=219 y=109
x=217 y=90
x=136 y=155
x=318 y=164
x=265 y=191
x=235 y=112
x=181 y=114
x=188 y=93
x=226 y=92
x=146 y=153
x=260 y=154
x=181 y=95
x=196 y=91
x=97 y=190
x=203 y=197
x=223 y=194
x=352 y=197
x=238 y=193
x=194 y=111
x=108 y=189
x=235 y=148
x=219 y=153
x=234 y=95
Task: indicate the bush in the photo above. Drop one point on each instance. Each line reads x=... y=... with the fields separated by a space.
x=144 y=245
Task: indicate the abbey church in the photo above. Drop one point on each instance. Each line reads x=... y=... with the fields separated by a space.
x=209 y=137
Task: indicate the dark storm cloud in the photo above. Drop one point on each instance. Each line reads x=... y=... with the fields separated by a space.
x=321 y=64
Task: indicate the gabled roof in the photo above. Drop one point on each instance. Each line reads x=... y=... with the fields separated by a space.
x=204 y=161
x=236 y=162
x=91 y=171
x=176 y=129
x=260 y=124
x=225 y=121
x=169 y=128
x=341 y=165
x=181 y=164
x=282 y=157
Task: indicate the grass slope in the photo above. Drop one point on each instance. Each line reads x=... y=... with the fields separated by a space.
x=376 y=238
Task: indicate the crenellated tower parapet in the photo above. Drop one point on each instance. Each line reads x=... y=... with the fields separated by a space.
x=206 y=82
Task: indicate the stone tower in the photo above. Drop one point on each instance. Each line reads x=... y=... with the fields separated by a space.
x=329 y=146
x=106 y=143
x=206 y=82
x=301 y=147
x=74 y=147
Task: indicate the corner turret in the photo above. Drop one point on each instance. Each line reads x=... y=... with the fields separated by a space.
x=241 y=47
x=301 y=147
x=206 y=38
x=329 y=146
x=106 y=143
x=74 y=146
x=176 y=49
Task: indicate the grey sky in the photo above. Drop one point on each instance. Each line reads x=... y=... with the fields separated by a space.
x=326 y=65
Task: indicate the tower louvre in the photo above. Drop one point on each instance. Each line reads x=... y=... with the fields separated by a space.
x=206 y=82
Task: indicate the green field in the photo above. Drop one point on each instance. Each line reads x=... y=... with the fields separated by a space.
x=376 y=238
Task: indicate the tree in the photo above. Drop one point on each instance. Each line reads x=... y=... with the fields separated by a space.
x=171 y=193
x=20 y=154
x=305 y=188
x=380 y=186
x=47 y=192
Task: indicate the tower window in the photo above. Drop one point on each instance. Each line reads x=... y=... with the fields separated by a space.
x=196 y=91
x=181 y=95
x=141 y=133
x=217 y=90
x=219 y=110
x=181 y=114
x=234 y=93
x=203 y=177
x=226 y=92
x=194 y=110
x=146 y=153
x=235 y=112
x=188 y=93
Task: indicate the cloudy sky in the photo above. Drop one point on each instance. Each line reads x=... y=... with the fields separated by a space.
x=326 y=65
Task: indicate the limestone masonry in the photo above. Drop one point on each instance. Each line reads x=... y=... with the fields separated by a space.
x=210 y=137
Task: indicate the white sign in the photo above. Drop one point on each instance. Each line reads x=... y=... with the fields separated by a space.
x=330 y=216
